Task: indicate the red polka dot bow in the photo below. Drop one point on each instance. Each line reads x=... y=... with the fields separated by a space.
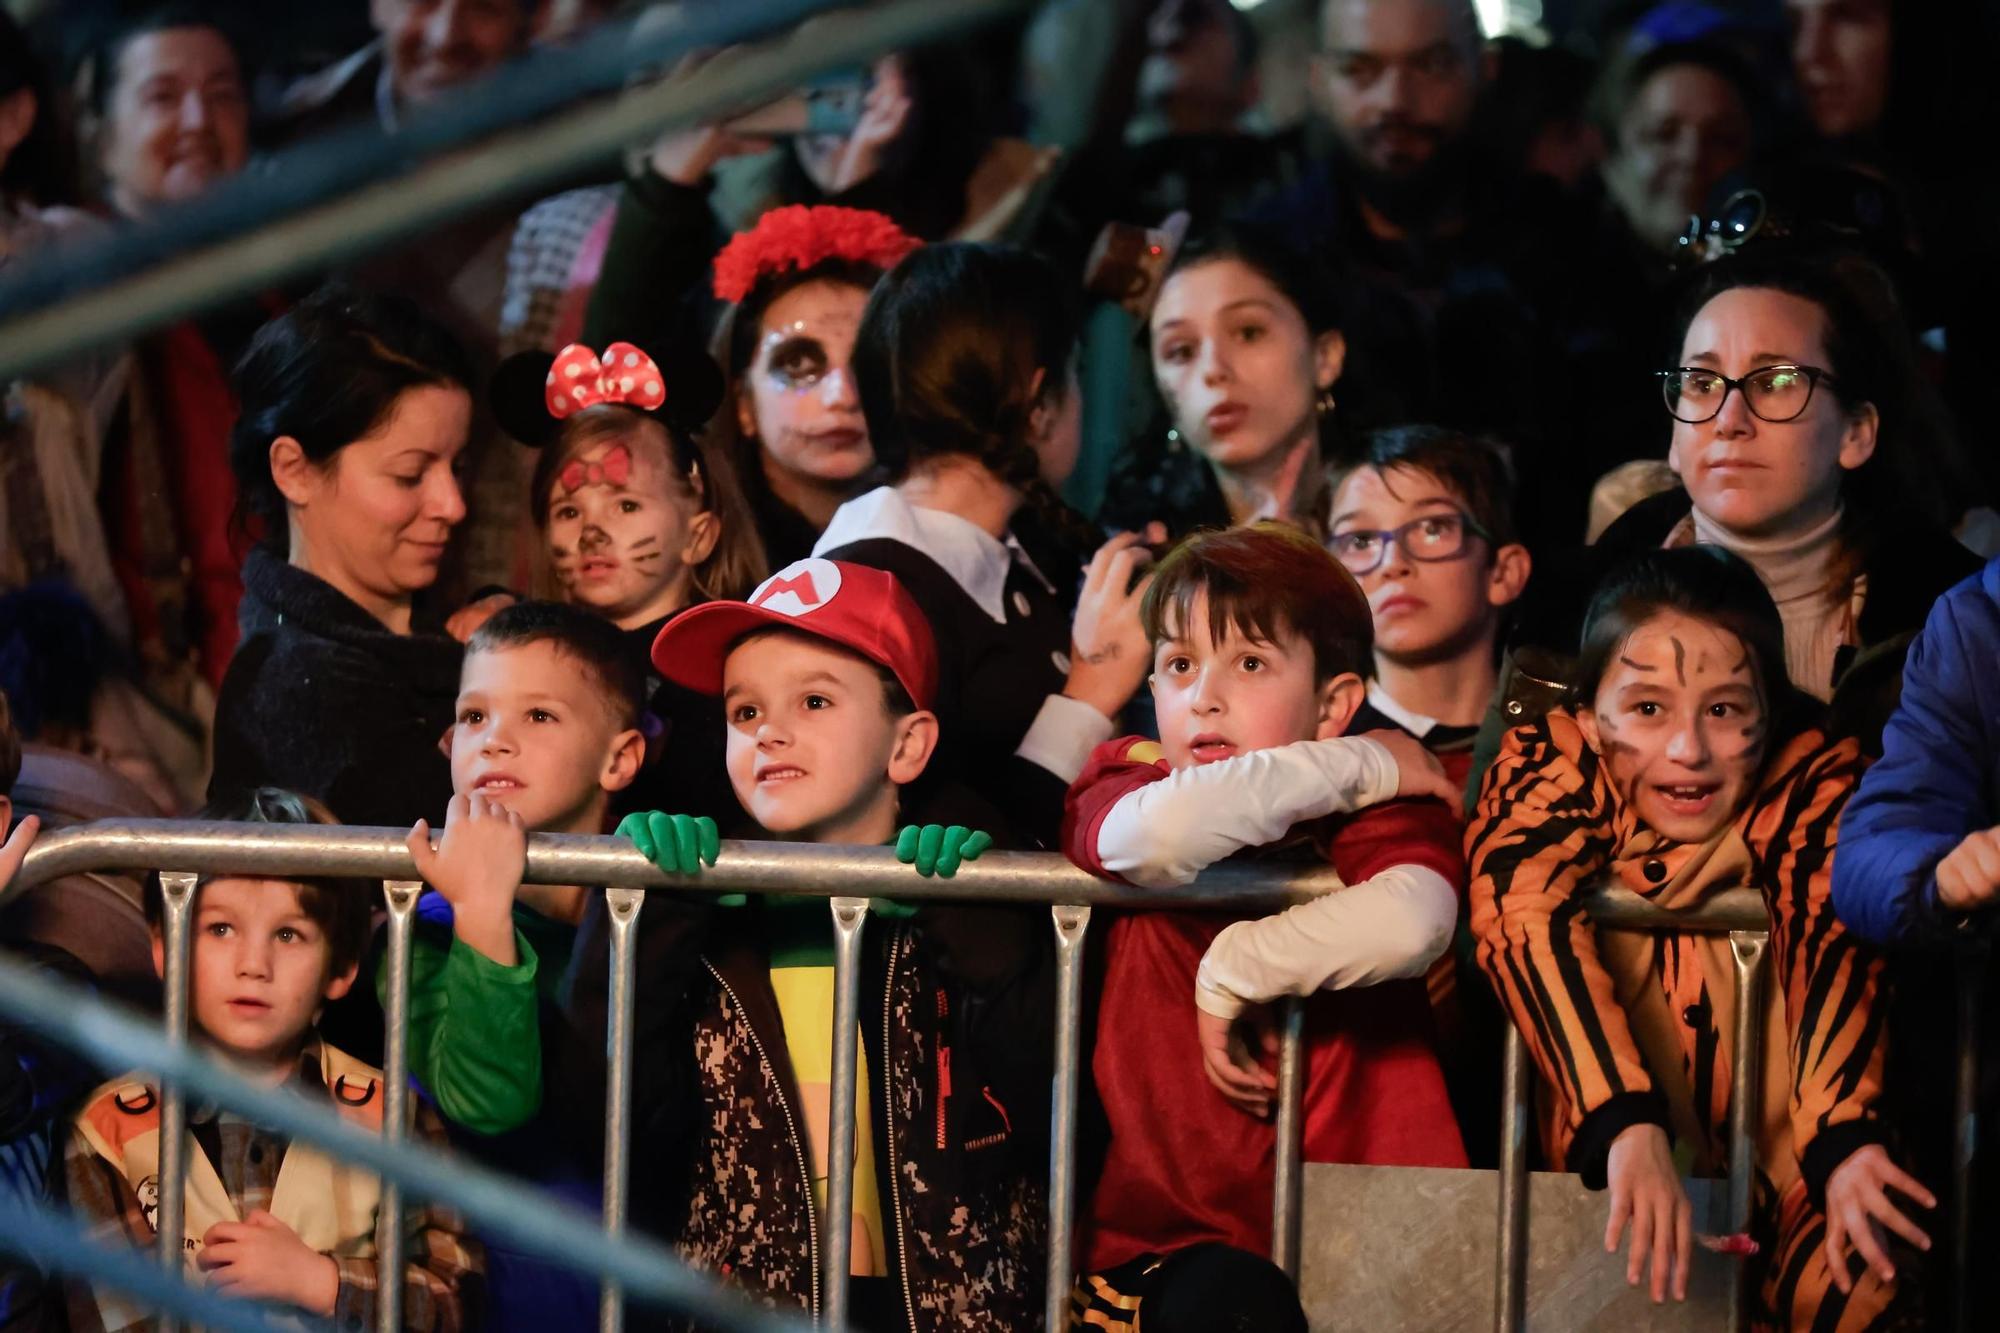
x=625 y=375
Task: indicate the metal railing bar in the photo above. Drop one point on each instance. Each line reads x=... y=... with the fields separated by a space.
x=850 y=917
x=1747 y=951
x=402 y=897
x=51 y=1238
x=1072 y=923
x=1288 y=1170
x=744 y=867
x=1510 y=1260
x=324 y=204
x=623 y=906
x=177 y=891
x=116 y=1038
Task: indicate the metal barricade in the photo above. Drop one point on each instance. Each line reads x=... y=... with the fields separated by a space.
x=847 y=877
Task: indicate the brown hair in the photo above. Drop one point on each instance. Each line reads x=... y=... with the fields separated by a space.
x=590 y=641
x=339 y=907
x=737 y=563
x=1264 y=581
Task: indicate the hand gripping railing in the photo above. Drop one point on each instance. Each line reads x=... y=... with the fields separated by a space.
x=847 y=876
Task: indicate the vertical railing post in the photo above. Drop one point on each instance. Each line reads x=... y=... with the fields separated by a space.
x=1071 y=923
x=623 y=909
x=1970 y=968
x=1510 y=1266
x=1289 y=1171
x=1747 y=949
x=177 y=892
x=402 y=900
x=837 y=1248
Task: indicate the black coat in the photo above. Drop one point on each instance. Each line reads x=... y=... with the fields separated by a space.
x=321 y=699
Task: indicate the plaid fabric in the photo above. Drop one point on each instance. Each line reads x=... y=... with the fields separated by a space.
x=444 y=1265
x=541 y=260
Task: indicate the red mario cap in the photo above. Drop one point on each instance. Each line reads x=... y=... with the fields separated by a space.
x=855 y=606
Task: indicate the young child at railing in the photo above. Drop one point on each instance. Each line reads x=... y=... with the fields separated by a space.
x=1679 y=769
x=1423 y=517
x=1260 y=640
x=826 y=677
x=266 y=1219
x=546 y=735
x=639 y=520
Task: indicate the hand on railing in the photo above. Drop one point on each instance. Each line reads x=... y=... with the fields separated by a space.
x=935 y=849
x=1418 y=772
x=1858 y=1208
x=677 y=844
x=262 y=1259
x=1646 y=1190
x=477 y=867
x=15 y=850
x=1236 y=1071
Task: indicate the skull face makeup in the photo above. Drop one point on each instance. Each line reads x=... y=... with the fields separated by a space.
x=1681 y=724
x=799 y=399
x=626 y=526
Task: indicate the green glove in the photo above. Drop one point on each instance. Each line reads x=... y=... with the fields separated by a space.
x=935 y=849
x=677 y=844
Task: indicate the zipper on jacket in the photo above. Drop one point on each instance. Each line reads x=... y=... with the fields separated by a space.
x=791 y=1127
x=943 y=1067
x=888 y=1110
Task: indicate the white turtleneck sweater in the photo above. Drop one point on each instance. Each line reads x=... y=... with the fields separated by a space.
x=1798 y=570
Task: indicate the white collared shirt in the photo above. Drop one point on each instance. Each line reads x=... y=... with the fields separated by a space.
x=1065 y=730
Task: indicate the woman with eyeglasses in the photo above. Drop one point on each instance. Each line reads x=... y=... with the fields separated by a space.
x=1805 y=442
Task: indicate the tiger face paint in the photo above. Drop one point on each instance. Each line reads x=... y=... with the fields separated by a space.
x=1681 y=725
x=625 y=527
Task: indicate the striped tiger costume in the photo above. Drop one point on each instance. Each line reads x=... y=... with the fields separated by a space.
x=1630 y=1027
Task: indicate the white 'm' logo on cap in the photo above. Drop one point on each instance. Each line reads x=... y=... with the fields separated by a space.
x=802 y=586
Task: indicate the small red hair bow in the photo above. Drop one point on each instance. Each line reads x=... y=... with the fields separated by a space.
x=625 y=375
x=614 y=469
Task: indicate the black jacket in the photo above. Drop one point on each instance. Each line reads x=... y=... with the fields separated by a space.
x=957 y=1017
x=321 y=699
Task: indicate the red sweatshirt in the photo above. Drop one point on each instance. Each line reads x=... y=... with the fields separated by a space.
x=1184 y=1165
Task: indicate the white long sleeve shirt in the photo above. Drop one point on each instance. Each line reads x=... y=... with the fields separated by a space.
x=1394 y=924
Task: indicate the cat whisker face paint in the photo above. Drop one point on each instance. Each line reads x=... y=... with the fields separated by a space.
x=625 y=524
x=1681 y=723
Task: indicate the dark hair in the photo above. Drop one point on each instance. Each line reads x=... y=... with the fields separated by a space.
x=339 y=906
x=946 y=360
x=1917 y=464
x=594 y=643
x=895 y=698
x=328 y=372
x=1474 y=468
x=1705 y=583
x=1262 y=581
x=100 y=72
x=747 y=316
x=1307 y=281
x=37 y=169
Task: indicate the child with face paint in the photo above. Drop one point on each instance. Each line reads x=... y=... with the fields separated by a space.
x=639 y=521
x=798 y=282
x=1673 y=772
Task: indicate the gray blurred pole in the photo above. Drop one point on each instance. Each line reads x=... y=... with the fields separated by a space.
x=1286 y=1201
x=1071 y=923
x=1747 y=949
x=837 y=1251
x=177 y=890
x=402 y=898
x=623 y=908
x=1510 y=1267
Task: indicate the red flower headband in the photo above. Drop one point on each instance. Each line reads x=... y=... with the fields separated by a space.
x=800 y=236
x=578 y=379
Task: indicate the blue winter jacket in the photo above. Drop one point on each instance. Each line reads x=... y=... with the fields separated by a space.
x=1939 y=775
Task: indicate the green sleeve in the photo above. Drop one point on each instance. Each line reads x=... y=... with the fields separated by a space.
x=474 y=1031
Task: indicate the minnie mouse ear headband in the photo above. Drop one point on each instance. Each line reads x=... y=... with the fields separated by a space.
x=677 y=384
x=800 y=236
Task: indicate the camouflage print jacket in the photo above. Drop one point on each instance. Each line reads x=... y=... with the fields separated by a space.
x=958 y=1015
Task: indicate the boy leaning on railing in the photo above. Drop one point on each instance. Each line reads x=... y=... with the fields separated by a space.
x=266 y=1219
